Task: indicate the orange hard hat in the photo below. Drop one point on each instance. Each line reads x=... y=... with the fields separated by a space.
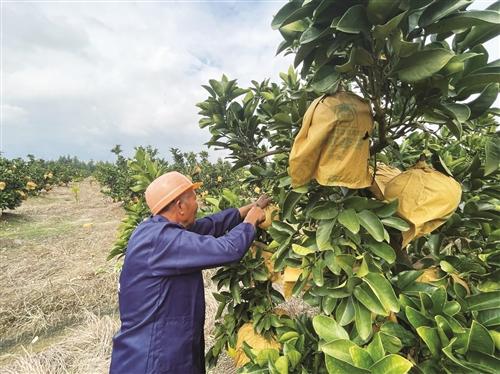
x=166 y=188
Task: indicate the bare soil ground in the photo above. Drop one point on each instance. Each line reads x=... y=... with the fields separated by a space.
x=58 y=304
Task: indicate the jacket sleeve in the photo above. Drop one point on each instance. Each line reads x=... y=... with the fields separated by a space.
x=179 y=251
x=217 y=224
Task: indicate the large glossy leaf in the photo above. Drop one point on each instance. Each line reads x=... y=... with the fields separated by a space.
x=484 y=301
x=464 y=20
x=422 y=64
x=480 y=339
x=489 y=318
x=388 y=209
x=440 y=9
x=360 y=357
x=382 y=250
x=344 y=314
x=349 y=220
x=484 y=363
x=395 y=329
x=367 y=297
x=372 y=224
x=311 y=34
x=328 y=329
x=281 y=365
x=285 y=12
x=383 y=289
x=353 y=21
x=430 y=337
x=481 y=33
x=396 y=223
x=301 y=250
x=325 y=79
x=484 y=101
x=358 y=56
x=363 y=320
x=376 y=348
x=335 y=366
x=380 y=32
x=291 y=200
x=324 y=211
x=339 y=348
x=323 y=234
x=492 y=149
x=416 y=318
x=391 y=364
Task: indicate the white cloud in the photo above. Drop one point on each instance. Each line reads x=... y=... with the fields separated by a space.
x=128 y=72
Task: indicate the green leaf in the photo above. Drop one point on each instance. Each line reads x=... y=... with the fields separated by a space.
x=362 y=320
x=323 y=234
x=376 y=348
x=395 y=329
x=380 y=32
x=349 y=220
x=480 y=339
x=281 y=365
x=440 y=9
x=483 y=362
x=492 y=149
x=339 y=349
x=416 y=318
x=481 y=33
x=367 y=297
x=483 y=301
x=391 y=364
x=317 y=272
x=383 y=289
x=422 y=64
x=301 y=251
x=430 y=337
x=286 y=11
x=396 y=223
x=266 y=355
x=360 y=357
x=391 y=343
x=382 y=250
x=464 y=20
x=460 y=112
x=311 y=34
x=325 y=79
x=328 y=329
x=484 y=101
x=358 y=56
x=324 y=211
x=372 y=224
x=335 y=366
x=489 y=318
x=344 y=313
x=388 y=209
x=292 y=198
x=353 y=21
x=359 y=203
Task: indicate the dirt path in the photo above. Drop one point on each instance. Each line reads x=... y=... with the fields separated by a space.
x=58 y=304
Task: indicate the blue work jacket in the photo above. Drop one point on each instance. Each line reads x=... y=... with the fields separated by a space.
x=161 y=296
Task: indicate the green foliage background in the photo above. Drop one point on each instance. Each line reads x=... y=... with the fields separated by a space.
x=430 y=308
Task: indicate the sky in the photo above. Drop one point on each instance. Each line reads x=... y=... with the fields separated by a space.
x=79 y=77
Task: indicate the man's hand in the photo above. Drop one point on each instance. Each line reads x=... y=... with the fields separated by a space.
x=263 y=201
x=255 y=216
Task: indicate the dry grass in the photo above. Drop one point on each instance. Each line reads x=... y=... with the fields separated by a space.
x=86 y=349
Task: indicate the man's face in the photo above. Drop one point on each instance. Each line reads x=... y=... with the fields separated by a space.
x=190 y=207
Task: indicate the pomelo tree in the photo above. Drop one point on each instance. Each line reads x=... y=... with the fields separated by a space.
x=376 y=307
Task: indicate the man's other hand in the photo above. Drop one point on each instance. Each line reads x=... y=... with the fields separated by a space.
x=255 y=216
x=263 y=201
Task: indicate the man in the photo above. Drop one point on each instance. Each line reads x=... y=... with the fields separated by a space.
x=161 y=297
